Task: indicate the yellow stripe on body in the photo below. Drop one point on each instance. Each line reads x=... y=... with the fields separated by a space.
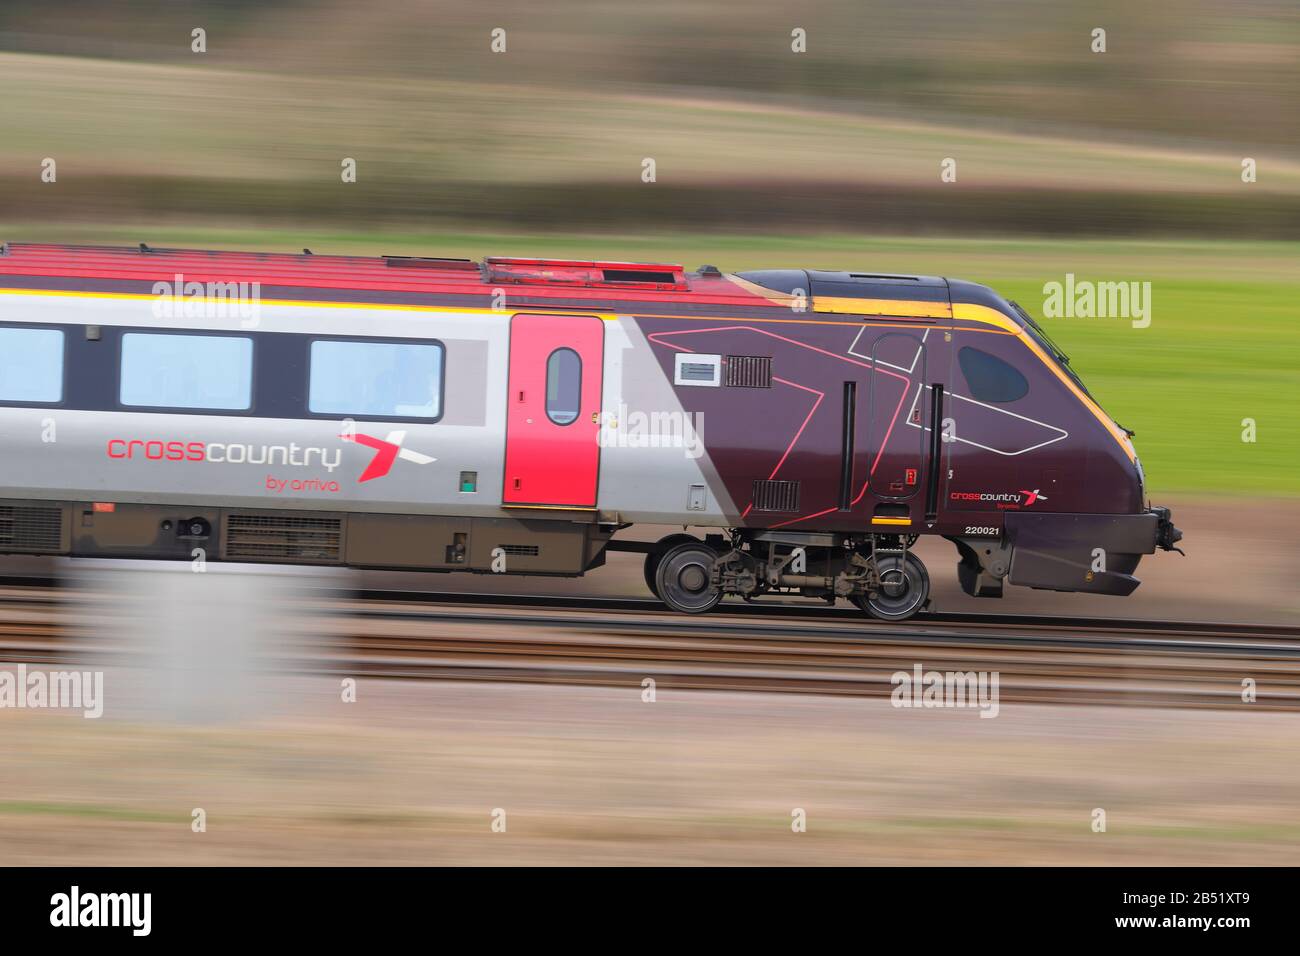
x=963 y=311
x=507 y=504
x=470 y=310
x=910 y=308
x=307 y=303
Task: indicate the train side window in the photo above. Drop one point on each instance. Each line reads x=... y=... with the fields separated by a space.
x=991 y=379
x=563 y=386
x=376 y=379
x=174 y=370
x=31 y=365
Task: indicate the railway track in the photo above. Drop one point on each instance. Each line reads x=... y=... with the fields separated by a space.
x=41 y=588
x=783 y=648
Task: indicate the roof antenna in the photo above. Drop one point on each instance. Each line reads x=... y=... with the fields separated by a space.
x=308 y=252
x=145 y=248
x=4 y=249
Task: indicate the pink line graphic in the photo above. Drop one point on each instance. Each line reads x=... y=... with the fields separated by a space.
x=658 y=339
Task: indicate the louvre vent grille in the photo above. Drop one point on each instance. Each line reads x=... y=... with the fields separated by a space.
x=776 y=495
x=522 y=550
x=284 y=536
x=31 y=528
x=749 y=371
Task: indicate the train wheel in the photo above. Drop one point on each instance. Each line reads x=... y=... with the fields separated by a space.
x=652 y=559
x=683 y=578
x=904 y=588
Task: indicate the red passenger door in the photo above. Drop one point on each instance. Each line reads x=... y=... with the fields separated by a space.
x=553 y=411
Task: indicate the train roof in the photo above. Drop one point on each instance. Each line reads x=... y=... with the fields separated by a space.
x=563 y=283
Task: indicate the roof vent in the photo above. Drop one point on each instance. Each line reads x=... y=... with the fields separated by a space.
x=632 y=275
x=624 y=275
x=429 y=262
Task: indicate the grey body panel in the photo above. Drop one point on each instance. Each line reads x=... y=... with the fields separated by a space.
x=61 y=454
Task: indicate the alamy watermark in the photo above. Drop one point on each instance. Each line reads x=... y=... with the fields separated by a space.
x=1085 y=299
x=21 y=689
x=75 y=908
x=922 y=688
x=629 y=428
x=190 y=299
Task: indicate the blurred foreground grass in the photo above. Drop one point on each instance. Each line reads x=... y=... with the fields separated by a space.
x=410 y=774
x=1223 y=344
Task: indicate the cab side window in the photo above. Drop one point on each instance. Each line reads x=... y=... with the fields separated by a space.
x=990 y=378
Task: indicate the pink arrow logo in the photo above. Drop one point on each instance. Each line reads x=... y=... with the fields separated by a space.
x=1032 y=496
x=387 y=451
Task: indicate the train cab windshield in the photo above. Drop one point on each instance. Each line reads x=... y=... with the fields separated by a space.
x=1039 y=335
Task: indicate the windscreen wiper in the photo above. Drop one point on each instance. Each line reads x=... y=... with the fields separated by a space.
x=1024 y=314
x=1055 y=349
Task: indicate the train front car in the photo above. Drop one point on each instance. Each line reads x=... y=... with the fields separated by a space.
x=885 y=407
x=1032 y=451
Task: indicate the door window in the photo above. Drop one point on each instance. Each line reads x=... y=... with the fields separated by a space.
x=563 y=386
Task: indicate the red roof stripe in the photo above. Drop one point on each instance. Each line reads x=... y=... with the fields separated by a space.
x=298 y=271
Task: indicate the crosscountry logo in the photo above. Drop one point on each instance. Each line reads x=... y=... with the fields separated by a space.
x=1032 y=496
x=387 y=450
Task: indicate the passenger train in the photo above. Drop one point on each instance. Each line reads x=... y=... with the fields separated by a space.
x=510 y=416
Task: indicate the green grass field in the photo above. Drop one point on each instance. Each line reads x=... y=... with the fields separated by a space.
x=1223 y=344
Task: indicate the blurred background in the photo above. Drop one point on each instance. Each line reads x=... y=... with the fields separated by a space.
x=1123 y=165
x=1051 y=138
x=1117 y=166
